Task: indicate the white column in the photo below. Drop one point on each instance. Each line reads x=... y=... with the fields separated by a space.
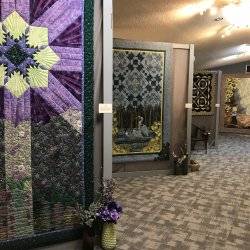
x=107 y=85
x=190 y=97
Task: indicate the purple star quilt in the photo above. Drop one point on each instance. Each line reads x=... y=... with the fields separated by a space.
x=41 y=111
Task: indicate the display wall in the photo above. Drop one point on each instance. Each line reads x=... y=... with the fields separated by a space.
x=235 y=115
x=179 y=76
x=46 y=163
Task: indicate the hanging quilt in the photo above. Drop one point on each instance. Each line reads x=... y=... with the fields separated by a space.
x=41 y=109
x=204 y=93
x=236 y=102
x=138 y=90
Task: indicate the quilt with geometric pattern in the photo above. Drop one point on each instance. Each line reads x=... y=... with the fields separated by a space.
x=138 y=101
x=203 y=93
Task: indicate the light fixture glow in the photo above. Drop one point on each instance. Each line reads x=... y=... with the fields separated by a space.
x=194 y=9
x=229 y=58
x=213 y=10
x=244 y=48
x=228 y=33
x=237 y=14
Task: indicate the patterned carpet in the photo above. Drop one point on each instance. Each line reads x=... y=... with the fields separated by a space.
x=209 y=209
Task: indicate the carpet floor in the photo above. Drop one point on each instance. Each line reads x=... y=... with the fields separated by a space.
x=209 y=209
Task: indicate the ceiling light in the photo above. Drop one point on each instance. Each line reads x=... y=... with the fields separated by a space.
x=237 y=14
x=194 y=9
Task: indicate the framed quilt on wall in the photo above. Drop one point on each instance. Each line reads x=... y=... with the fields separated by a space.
x=46 y=165
x=141 y=100
x=204 y=93
x=207 y=114
x=235 y=115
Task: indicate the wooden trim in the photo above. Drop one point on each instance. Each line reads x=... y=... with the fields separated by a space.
x=218 y=101
x=181 y=46
x=107 y=86
x=141 y=173
x=190 y=96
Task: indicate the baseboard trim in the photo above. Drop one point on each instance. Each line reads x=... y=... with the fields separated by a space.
x=141 y=173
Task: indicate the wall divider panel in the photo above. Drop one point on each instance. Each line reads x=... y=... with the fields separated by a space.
x=181 y=78
x=46 y=106
x=182 y=93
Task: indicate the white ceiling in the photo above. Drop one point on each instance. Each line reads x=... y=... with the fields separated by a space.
x=179 y=21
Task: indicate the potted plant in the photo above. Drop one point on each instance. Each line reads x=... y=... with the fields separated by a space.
x=108 y=215
x=103 y=213
x=88 y=218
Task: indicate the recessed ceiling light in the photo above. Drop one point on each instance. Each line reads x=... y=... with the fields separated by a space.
x=218 y=18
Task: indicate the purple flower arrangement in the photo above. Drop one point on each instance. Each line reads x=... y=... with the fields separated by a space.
x=110 y=212
x=104 y=210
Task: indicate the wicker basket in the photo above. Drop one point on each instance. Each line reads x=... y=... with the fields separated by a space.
x=194 y=166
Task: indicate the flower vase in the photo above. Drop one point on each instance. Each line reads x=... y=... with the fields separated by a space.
x=108 y=236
